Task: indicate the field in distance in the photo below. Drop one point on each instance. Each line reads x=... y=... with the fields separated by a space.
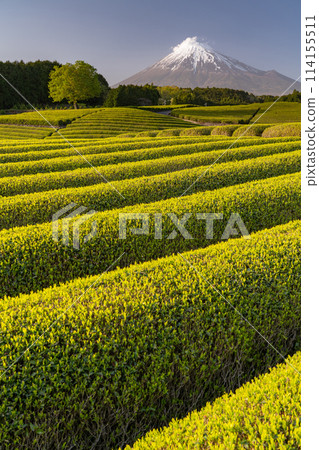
x=278 y=112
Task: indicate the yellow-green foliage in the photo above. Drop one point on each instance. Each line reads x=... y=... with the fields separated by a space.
x=147 y=134
x=113 y=121
x=250 y=130
x=198 y=131
x=169 y=132
x=23 y=132
x=264 y=413
x=148 y=343
x=31 y=260
x=289 y=129
x=224 y=130
x=28 y=150
x=127 y=135
x=58 y=117
x=219 y=114
x=165 y=107
x=279 y=112
x=21 y=210
x=276 y=112
x=75 y=172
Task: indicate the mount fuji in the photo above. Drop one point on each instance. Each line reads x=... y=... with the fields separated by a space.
x=195 y=64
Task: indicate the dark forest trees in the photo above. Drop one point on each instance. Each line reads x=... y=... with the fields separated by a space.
x=132 y=95
x=31 y=79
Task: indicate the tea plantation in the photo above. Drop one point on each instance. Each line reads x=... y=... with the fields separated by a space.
x=178 y=331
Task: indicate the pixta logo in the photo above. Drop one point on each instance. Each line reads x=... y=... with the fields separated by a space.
x=234 y=226
x=76 y=224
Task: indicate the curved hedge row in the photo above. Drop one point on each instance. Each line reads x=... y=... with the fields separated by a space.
x=32 y=260
x=264 y=413
x=62 y=148
x=145 y=344
x=113 y=121
x=224 y=130
x=288 y=129
x=101 y=158
x=57 y=117
x=197 y=131
x=219 y=114
x=22 y=210
x=89 y=176
x=49 y=151
x=169 y=132
x=250 y=130
x=23 y=132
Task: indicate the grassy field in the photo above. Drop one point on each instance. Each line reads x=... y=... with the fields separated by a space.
x=107 y=334
x=278 y=112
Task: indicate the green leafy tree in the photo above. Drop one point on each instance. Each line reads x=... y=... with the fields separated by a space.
x=74 y=82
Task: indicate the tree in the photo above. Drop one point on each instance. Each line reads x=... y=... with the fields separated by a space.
x=74 y=82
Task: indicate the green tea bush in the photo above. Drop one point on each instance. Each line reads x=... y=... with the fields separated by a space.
x=147 y=134
x=184 y=157
x=279 y=112
x=224 y=130
x=117 y=355
x=23 y=132
x=32 y=260
x=219 y=114
x=55 y=117
x=101 y=156
x=250 y=130
x=115 y=121
x=289 y=129
x=127 y=135
x=22 y=210
x=264 y=413
x=198 y=131
x=169 y=132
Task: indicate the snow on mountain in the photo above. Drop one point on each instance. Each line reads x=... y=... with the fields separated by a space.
x=190 y=49
x=195 y=64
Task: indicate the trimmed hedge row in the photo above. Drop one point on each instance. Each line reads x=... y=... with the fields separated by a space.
x=119 y=120
x=23 y=132
x=250 y=130
x=224 y=130
x=169 y=132
x=22 y=210
x=145 y=344
x=289 y=129
x=32 y=260
x=55 y=117
x=49 y=151
x=100 y=158
x=146 y=167
x=198 y=131
x=147 y=134
x=264 y=413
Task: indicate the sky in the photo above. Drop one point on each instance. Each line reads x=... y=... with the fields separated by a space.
x=122 y=37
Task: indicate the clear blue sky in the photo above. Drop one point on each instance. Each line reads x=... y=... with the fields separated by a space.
x=121 y=37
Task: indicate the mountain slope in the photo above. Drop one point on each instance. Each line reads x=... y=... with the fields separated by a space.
x=193 y=64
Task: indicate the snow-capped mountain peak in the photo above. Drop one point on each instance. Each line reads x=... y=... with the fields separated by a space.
x=190 y=50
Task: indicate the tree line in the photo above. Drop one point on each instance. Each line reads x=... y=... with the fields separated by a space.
x=32 y=80
x=44 y=82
